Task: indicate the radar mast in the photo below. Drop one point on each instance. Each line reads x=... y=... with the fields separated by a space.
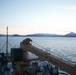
x=7 y=41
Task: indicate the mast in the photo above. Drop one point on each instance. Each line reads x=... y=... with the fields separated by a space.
x=7 y=41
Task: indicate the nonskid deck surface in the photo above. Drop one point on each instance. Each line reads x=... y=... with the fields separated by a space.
x=6 y=65
x=36 y=65
x=5 y=71
x=43 y=68
x=39 y=67
x=36 y=71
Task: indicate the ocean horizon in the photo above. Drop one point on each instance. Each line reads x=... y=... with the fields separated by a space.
x=64 y=47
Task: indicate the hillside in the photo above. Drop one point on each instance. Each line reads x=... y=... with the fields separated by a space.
x=44 y=35
x=71 y=34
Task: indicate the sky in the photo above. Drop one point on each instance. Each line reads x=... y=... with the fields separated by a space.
x=37 y=16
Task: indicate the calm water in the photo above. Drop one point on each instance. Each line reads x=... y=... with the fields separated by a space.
x=64 y=47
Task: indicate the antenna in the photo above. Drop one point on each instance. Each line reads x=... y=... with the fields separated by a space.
x=7 y=41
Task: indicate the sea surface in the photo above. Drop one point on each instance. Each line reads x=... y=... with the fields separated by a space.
x=63 y=47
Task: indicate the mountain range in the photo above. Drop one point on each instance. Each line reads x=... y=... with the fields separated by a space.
x=71 y=34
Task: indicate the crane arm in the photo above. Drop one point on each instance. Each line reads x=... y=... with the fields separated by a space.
x=66 y=66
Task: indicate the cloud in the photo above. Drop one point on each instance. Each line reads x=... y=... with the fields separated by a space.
x=66 y=7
